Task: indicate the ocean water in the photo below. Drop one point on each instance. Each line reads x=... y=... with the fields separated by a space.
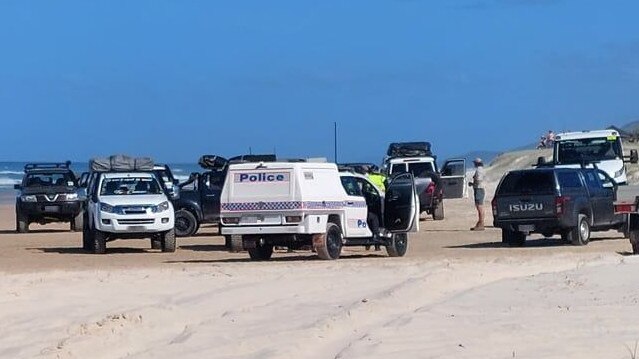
x=11 y=173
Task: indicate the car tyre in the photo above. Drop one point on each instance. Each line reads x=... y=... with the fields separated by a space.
x=438 y=212
x=512 y=238
x=168 y=241
x=261 y=252
x=579 y=235
x=77 y=223
x=99 y=242
x=397 y=246
x=634 y=241
x=328 y=245
x=22 y=223
x=185 y=223
x=87 y=240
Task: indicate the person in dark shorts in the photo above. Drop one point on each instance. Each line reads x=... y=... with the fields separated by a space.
x=479 y=192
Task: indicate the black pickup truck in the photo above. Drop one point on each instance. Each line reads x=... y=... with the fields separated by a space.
x=199 y=200
x=571 y=202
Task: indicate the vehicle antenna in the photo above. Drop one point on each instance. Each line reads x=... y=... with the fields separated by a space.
x=335 y=140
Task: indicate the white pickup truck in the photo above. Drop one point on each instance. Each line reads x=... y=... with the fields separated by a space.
x=305 y=205
x=126 y=200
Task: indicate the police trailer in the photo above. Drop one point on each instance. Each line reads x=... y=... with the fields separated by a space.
x=304 y=205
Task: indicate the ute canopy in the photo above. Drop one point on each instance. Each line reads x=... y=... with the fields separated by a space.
x=121 y=163
x=409 y=149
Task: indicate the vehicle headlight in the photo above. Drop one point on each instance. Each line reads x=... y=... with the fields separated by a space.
x=71 y=196
x=164 y=206
x=620 y=172
x=29 y=198
x=106 y=208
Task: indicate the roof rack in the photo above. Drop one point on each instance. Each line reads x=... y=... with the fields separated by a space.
x=47 y=165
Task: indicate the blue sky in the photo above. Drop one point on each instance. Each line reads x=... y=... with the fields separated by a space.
x=176 y=79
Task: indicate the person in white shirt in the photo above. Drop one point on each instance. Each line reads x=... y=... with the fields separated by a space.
x=479 y=193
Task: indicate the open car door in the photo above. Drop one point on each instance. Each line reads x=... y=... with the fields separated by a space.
x=453 y=178
x=213 y=162
x=401 y=205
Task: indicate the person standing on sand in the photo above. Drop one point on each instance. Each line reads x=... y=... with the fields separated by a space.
x=479 y=193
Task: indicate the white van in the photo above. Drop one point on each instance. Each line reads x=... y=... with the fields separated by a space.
x=602 y=148
x=305 y=205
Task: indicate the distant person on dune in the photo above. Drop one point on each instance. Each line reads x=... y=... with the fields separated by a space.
x=479 y=193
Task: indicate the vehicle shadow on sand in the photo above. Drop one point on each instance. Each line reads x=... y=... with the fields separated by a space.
x=275 y=258
x=35 y=231
x=205 y=247
x=77 y=250
x=530 y=243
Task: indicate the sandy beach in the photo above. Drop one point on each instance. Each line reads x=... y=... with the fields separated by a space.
x=456 y=294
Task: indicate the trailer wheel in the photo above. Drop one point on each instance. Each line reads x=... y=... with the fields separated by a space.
x=328 y=245
x=397 y=245
x=634 y=241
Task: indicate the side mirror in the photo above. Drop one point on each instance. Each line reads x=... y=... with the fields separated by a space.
x=634 y=156
x=17 y=187
x=174 y=193
x=541 y=161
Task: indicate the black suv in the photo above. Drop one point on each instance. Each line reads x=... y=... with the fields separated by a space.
x=199 y=200
x=566 y=201
x=48 y=193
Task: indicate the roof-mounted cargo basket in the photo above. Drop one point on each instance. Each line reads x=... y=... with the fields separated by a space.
x=121 y=163
x=409 y=149
x=47 y=165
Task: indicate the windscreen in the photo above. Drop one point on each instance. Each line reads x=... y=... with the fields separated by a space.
x=129 y=186
x=49 y=179
x=417 y=169
x=588 y=150
x=533 y=182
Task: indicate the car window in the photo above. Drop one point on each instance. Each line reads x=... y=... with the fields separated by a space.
x=121 y=186
x=351 y=186
x=454 y=169
x=569 y=179
x=591 y=180
x=421 y=169
x=369 y=189
x=538 y=182
x=49 y=179
x=398 y=168
x=605 y=180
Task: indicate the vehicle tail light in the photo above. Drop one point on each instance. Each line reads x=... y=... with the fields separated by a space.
x=560 y=204
x=494 y=205
x=430 y=189
x=231 y=220
x=293 y=219
x=624 y=208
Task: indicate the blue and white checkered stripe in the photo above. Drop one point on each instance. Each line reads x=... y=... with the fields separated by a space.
x=289 y=205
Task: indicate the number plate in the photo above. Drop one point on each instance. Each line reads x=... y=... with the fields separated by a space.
x=136 y=228
x=527 y=228
x=51 y=209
